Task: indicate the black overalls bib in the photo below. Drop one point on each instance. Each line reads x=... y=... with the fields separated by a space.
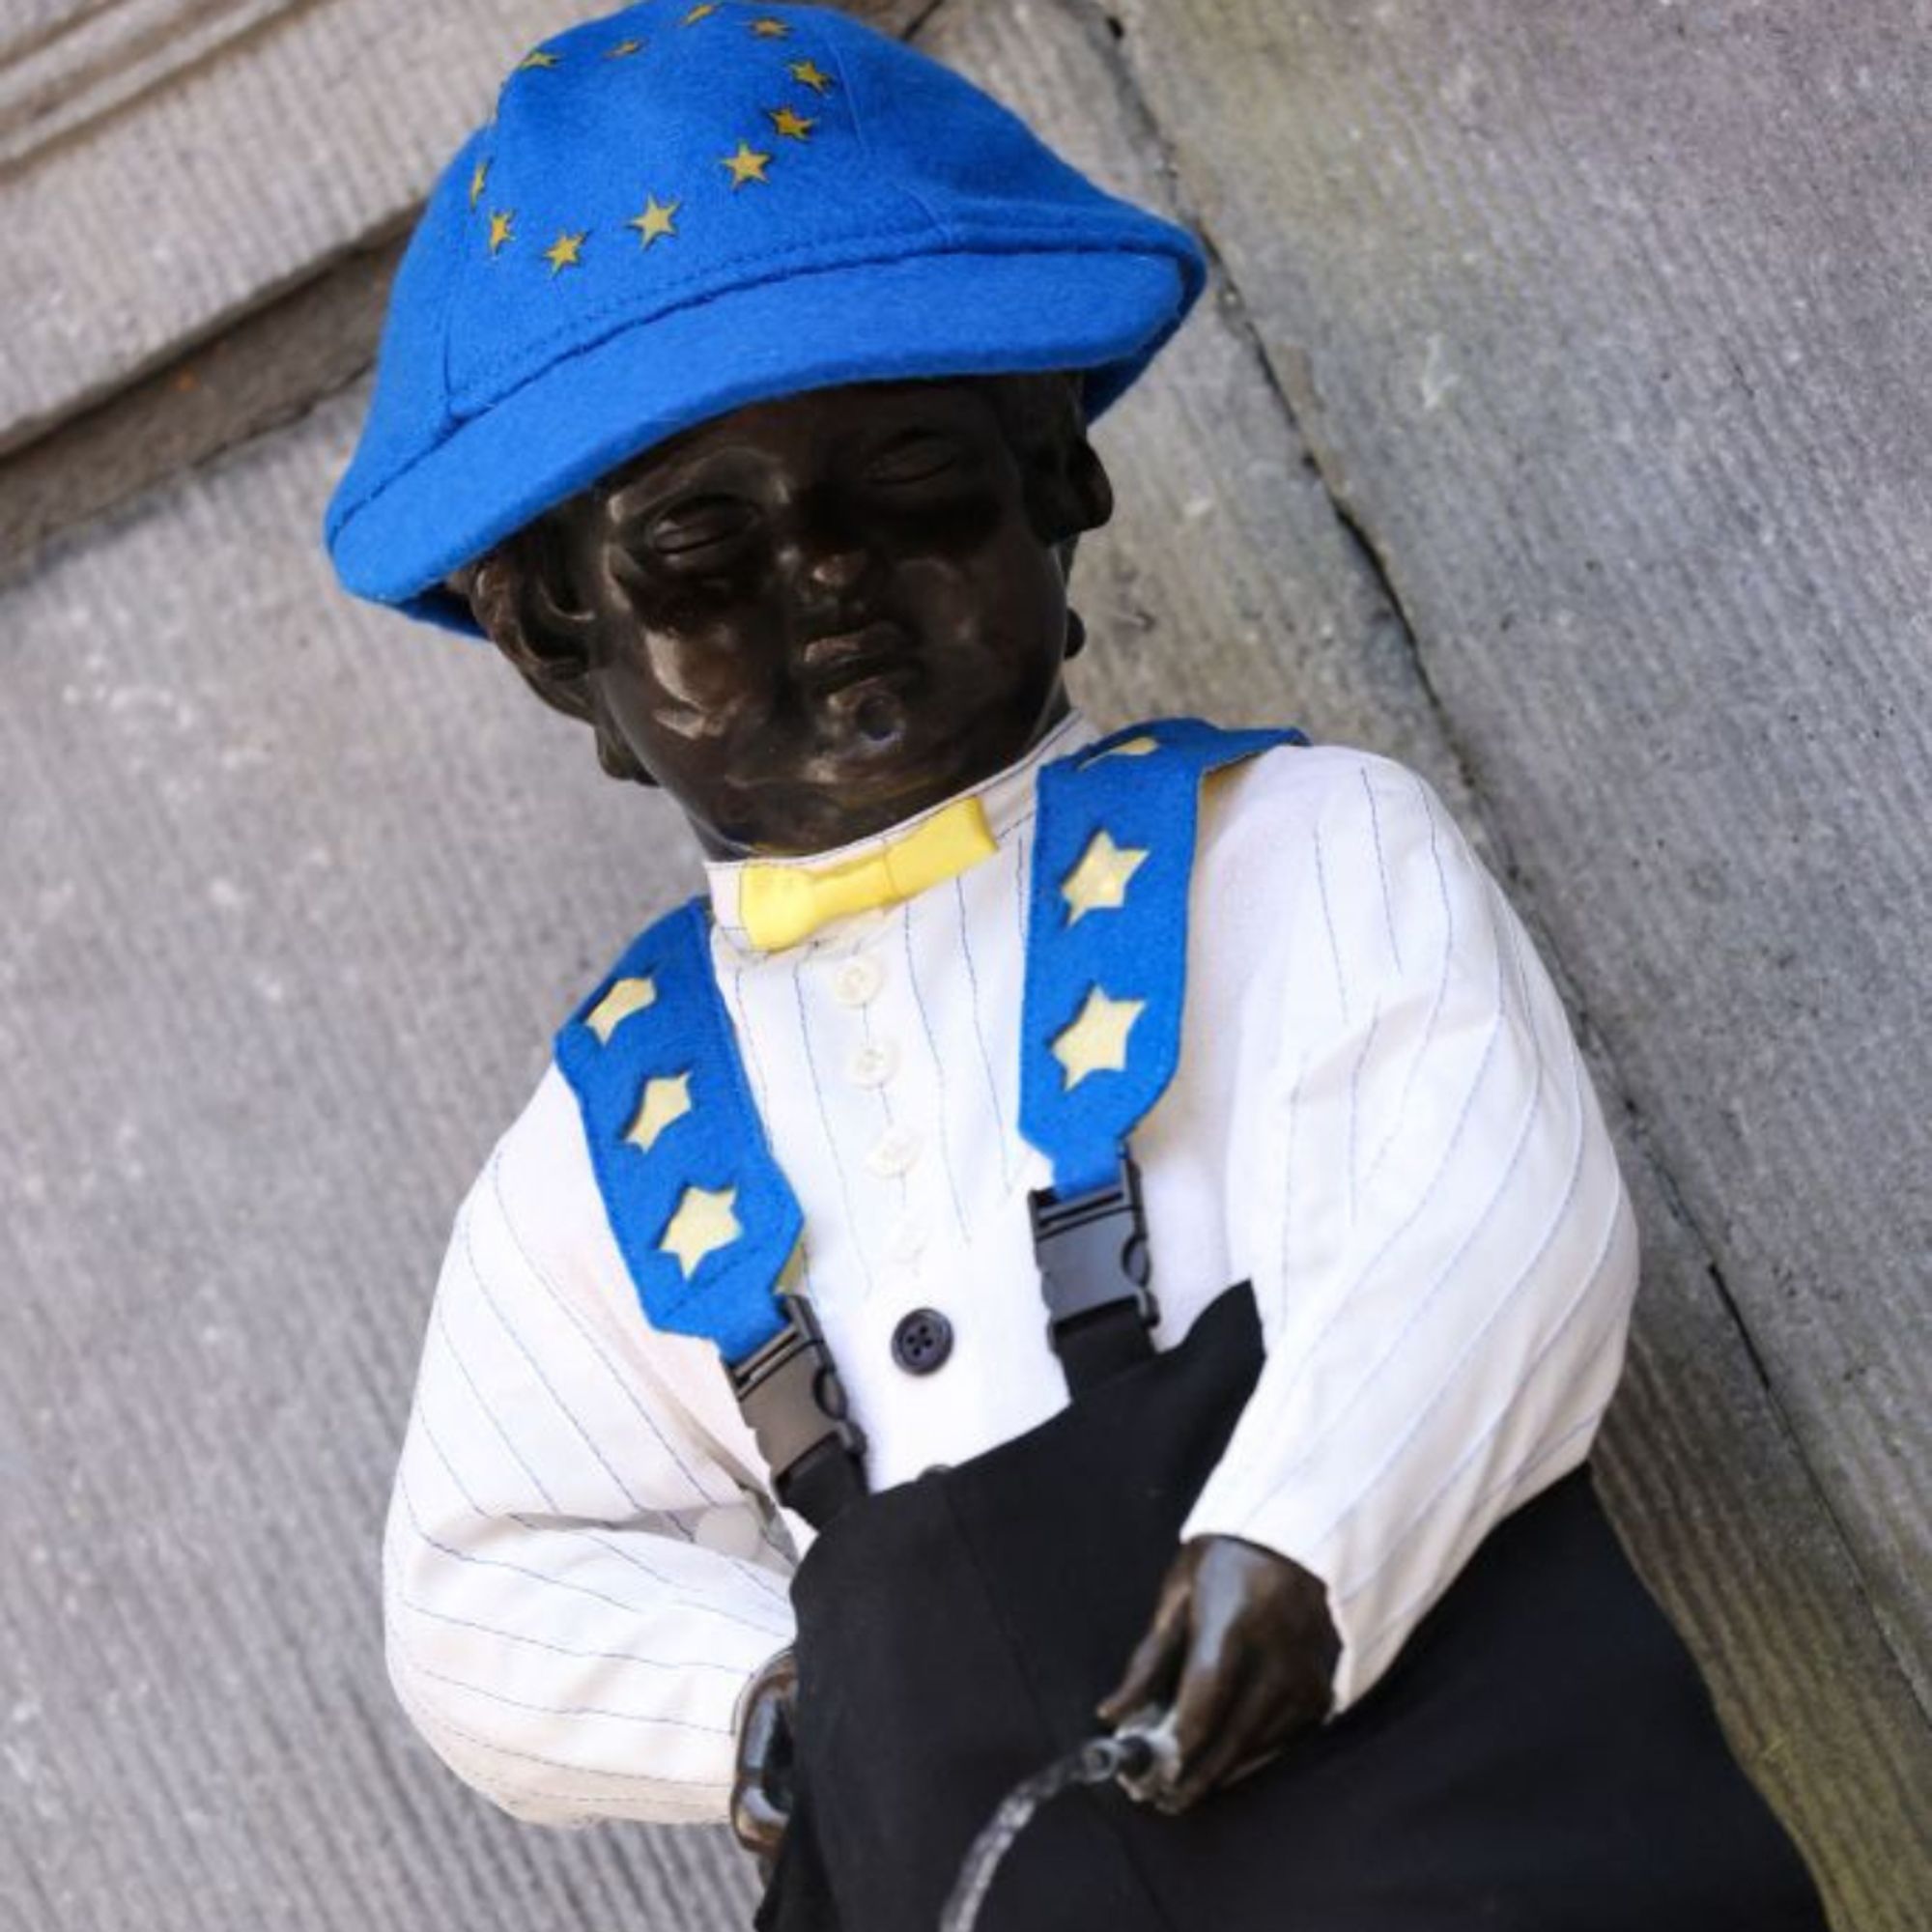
x=1542 y=1757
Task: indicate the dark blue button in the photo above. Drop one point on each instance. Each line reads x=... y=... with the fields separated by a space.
x=922 y=1341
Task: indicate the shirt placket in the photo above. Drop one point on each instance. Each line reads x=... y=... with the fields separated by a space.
x=890 y=1103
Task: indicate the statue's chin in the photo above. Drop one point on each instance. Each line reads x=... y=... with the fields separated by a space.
x=884 y=752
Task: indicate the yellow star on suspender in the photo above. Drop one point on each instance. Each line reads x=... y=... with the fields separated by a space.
x=625 y=998
x=478 y=177
x=538 y=57
x=698 y=14
x=1098 y=883
x=623 y=50
x=564 y=252
x=1096 y=1043
x=502 y=221
x=808 y=74
x=704 y=1223
x=667 y=1099
x=769 y=29
x=746 y=166
x=1128 y=748
x=794 y=126
x=655 y=221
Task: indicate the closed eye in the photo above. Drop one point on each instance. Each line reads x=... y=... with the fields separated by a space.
x=699 y=522
x=913 y=458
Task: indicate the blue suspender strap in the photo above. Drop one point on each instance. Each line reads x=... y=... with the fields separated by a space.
x=703 y=1217
x=1100 y=1031
x=707 y=1224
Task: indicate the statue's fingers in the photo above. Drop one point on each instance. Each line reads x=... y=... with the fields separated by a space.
x=1227 y=1760
x=1271 y=1710
x=1210 y=1717
x=1155 y=1665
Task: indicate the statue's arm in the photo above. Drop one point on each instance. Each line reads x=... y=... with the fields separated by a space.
x=577 y=1593
x=1443 y=1255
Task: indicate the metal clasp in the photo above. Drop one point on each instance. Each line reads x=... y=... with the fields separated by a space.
x=1092 y=1251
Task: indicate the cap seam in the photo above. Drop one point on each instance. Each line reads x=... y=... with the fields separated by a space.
x=447 y=401
x=1045 y=245
x=952 y=239
x=706 y=281
x=860 y=128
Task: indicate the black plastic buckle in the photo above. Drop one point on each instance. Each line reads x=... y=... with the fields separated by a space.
x=1092 y=1251
x=789 y=1393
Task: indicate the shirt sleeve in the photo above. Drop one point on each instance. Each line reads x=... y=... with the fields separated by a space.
x=1443 y=1249
x=577 y=1589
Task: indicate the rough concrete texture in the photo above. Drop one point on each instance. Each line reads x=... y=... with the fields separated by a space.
x=166 y=165
x=1608 y=326
x=261 y=372
x=296 y=893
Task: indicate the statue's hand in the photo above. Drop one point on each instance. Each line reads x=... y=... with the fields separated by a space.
x=761 y=1777
x=1241 y=1651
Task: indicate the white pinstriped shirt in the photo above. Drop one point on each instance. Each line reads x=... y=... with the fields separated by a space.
x=1379 y=1119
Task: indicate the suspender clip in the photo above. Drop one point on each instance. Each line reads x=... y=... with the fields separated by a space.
x=789 y=1393
x=1093 y=1253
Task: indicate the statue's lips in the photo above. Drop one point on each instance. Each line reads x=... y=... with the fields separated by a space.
x=835 y=663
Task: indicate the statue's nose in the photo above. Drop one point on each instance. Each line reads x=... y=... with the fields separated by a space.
x=835 y=570
x=833 y=565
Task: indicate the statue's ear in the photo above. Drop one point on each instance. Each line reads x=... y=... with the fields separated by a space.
x=519 y=592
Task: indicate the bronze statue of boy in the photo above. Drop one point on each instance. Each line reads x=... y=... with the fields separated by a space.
x=1164 y=1253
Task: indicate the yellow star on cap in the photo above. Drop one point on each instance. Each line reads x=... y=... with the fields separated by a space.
x=502 y=221
x=1096 y=1043
x=1128 y=748
x=704 y=1223
x=795 y=125
x=480 y=175
x=746 y=166
x=538 y=57
x=808 y=74
x=655 y=221
x=1098 y=883
x=667 y=1099
x=697 y=13
x=565 y=251
x=623 y=50
x=769 y=29
x=625 y=998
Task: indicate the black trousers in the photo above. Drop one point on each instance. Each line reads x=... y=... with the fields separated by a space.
x=1542 y=1757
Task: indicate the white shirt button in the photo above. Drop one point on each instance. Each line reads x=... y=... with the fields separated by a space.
x=893 y=1153
x=873 y=1064
x=857 y=981
x=907 y=1240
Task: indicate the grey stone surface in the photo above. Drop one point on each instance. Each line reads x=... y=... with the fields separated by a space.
x=247 y=1079
x=200 y=198
x=172 y=205
x=68 y=64
x=265 y=370
x=1608 y=326
x=296 y=893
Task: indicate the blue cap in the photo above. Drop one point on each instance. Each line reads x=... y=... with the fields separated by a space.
x=685 y=207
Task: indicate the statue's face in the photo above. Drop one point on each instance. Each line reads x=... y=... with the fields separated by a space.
x=815 y=616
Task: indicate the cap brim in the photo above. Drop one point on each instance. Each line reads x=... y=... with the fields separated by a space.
x=964 y=313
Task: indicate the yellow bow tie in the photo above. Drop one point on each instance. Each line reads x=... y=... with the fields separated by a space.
x=780 y=905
